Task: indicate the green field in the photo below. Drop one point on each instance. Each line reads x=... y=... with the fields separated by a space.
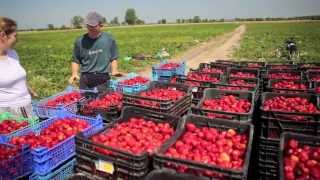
x=46 y=56
x=262 y=39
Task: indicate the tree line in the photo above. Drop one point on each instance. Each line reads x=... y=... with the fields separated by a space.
x=131 y=18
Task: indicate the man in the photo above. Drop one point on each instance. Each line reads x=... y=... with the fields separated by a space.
x=96 y=54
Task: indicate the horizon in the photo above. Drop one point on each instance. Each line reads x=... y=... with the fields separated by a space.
x=35 y=14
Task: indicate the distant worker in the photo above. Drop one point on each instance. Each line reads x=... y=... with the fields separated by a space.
x=291 y=47
x=96 y=54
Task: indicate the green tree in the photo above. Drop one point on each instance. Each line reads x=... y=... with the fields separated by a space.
x=162 y=21
x=50 y=26
x=196 y=19
x=130 y=16
x=104 y=20
x=139 y=21
x=77 y=22
x=63 y=27
x=115 y=21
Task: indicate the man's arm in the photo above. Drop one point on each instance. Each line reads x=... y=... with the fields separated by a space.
x=114 y=59
x=75 y=64
x=74 y=72
x=114 y=67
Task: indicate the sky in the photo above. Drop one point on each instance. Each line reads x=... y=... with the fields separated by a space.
x=40 y=13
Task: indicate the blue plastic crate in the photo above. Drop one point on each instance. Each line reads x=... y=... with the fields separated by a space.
x=43 y=111
x=17 y=166
x=161 y=78
x=159 y=72
x=6 y=115
x=46 y=159
x=129 y=89
x=59 y=174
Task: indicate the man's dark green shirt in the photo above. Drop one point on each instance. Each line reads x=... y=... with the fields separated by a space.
x=95 y=55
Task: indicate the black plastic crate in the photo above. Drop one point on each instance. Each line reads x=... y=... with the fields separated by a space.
x=297 y=73
x=255 y=82
x=134 y=164
x=161 y=161
x=309 y=66
x=220 y=77
x=197 y=87
x=271 y=82
x=181 y=109
x=252 y=64
x=282 y=115
x=224 y=64
x=313 y=75
x=315 y=88
x=282 y=66
x=255 y=72
x=168 y=174
x=108 y=114
x=208 y=66
x=235 y=87
x=302 y=139
x=267 y=172
x=268 y=155
x=216 y=93
x=223 y=61
x=164 y=105
x=269 y=145
x=273 y=127
x=87 y=166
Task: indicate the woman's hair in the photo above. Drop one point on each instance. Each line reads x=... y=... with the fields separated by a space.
x=7 y=25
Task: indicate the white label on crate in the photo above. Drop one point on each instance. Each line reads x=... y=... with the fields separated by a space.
x=104 y=166
x=195 y=89
x=174 y=88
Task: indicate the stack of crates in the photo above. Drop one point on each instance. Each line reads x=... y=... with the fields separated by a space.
x=274 y=123
x=162 y=73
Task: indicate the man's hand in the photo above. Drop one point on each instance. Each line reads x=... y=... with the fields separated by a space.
x=73 y=78
x=117 y=74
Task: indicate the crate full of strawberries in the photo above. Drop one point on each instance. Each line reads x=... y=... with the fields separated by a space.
x=10 y=125
x=168 y=69
x=127 y=144
x=52 y=141
x=294 y=107
x=67 y=99
x=240 y=84
x=288 y=86
x=299 y=157
x=107 y=104
x=243 y=73
x=164 y=97
x=133 y=83
x=226 y=104
x=286 y=74
x=211 y=148
x=14 y=161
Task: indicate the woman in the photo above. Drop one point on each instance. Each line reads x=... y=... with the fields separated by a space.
x=14 y=95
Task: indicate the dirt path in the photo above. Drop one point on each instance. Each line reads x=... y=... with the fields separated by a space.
x=220 y=47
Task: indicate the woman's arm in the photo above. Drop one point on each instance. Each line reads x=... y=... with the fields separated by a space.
x=32 y=93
